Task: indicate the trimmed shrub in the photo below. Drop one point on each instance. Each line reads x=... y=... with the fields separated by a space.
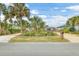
x=51 y=33
x=66 y=30
x=29 y=34
x=14 y=31
x=42 y=33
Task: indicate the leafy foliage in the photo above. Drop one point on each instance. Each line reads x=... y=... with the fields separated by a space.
x=72 y=22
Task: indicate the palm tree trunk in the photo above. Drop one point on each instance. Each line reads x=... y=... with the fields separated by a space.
x=78 y=27
x=21 y=25
x=11 y=29
x=5 y=23
x=0 y=28
x=11 y=25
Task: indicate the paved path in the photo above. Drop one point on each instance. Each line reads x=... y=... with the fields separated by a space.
x=6 y=38
x=39 y=49
x=71 y=37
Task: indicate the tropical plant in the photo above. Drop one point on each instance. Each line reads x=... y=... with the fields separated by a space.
x=37 y=23
x=20 y=10
x=72 y=22
x=4 y=11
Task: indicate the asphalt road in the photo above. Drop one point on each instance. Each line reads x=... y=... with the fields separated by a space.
x=39 y=49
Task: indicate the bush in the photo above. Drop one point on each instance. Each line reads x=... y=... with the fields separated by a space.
x=69 y=29
x=66 y=30
x=29 y=34
x=14 y=31
x=42 y=33
x=72 y=29
x=51 y=33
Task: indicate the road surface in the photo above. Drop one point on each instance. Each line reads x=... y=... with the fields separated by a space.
x=71 y=37
x=39 y=49
x=6 y=38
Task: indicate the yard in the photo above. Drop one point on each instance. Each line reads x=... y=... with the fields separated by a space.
x=37 y=39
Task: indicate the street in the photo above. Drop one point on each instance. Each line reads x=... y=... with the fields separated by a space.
x=39 y=49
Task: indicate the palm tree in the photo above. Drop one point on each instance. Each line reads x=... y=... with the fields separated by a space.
x=20 y=10
x=4 y=11
x=37 y=23
x=73 y=21
x=1 y=27
x=11 y=15
x=77 y=22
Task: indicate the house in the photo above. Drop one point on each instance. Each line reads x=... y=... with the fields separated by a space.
x=50 y=29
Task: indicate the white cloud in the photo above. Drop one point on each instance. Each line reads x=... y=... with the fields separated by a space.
x=63 y=10
x=14 y=19
x=27 y=5
x=56 y=21
x=8 y=4
x=2 y=17
x=25 y=18
x=74 y=8
x=76 y=13
x=42 y=16
x=34 y=12
x=56 y=8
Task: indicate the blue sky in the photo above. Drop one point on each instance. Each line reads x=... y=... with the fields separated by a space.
x=54 y=14
x=50 y=8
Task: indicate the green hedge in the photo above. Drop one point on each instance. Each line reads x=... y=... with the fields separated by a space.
x=43 y=33
x=29 y=34
x=66 y=30
x=13 y=31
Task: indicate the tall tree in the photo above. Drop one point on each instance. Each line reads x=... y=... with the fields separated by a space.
x=4 y=11
x=74 y=21
x=37 y=23
x=20 y=10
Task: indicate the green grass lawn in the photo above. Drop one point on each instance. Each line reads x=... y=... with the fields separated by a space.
x=37 y=39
